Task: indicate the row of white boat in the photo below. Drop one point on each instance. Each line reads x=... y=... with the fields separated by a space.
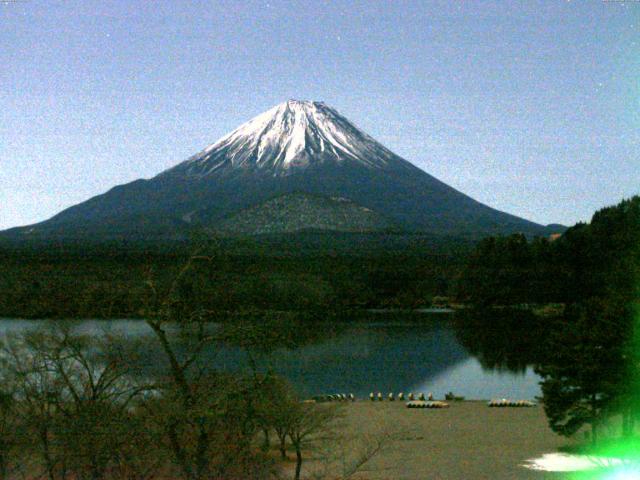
x=503 y=402
x=419 y=401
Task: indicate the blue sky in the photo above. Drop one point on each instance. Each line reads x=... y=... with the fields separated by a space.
x=531 y=107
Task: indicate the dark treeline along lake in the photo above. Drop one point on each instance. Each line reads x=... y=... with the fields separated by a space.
x=426 y=353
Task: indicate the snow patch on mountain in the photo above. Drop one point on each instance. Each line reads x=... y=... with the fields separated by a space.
x=290 y=135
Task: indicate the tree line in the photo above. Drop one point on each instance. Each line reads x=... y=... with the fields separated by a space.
x=89 y=282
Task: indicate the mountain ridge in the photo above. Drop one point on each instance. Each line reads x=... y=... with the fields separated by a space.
x=296 y=146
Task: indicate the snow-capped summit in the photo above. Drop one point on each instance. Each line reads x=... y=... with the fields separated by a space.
x=292 y=134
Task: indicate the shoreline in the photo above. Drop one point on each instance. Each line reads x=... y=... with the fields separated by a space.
x=336 y=316
x=466 y=440
x=339 y=316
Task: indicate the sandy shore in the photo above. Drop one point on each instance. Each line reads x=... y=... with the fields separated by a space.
x=466 y=441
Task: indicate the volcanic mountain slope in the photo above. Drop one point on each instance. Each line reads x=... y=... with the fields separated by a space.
x=302 y=211
x=297 y=146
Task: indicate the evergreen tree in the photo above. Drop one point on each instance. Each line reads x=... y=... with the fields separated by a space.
x=586 y=367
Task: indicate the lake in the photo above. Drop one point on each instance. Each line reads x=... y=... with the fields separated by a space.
x=426 y=356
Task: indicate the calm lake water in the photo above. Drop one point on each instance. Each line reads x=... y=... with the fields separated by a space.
x=360 y=358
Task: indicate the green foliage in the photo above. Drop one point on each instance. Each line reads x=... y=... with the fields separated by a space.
x=590 y=364
x=584 y=373
x=511 y=271
x=594 y=260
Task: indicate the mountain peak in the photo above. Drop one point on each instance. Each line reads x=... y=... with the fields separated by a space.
x=296 y=146
x=304 y=103
x=294 y=134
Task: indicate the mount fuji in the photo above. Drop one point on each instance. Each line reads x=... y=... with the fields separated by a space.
x=298 y=166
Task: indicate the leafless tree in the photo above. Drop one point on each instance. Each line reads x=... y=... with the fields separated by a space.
x=209 y=417
x=309 y=423
x=74 y=394
x=343 y=455
x=9 y=432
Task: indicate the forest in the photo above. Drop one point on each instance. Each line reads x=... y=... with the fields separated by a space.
x=587 y=353
x=109 y=280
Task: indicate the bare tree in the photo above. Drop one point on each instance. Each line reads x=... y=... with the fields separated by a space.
x=166 y=310
x=209 y=419
x=309 y=423
x=137 y=457
x=343 y=455
x=75 y=394
x=37 y=391
x=356 y=453
x=9 y=436
x=276 y=407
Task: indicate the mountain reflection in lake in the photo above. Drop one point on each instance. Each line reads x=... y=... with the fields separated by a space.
x=508 y=340
x=419 y=356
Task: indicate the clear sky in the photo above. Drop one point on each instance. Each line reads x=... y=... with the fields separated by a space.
x=532 y=107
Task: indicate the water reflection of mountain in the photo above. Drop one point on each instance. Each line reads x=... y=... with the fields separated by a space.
x=506 y=340
x=431 y=355
x=358 y=359
x=362 y=359
x=384 y=357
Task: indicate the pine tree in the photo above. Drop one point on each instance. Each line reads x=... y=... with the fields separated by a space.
x=585 y=368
